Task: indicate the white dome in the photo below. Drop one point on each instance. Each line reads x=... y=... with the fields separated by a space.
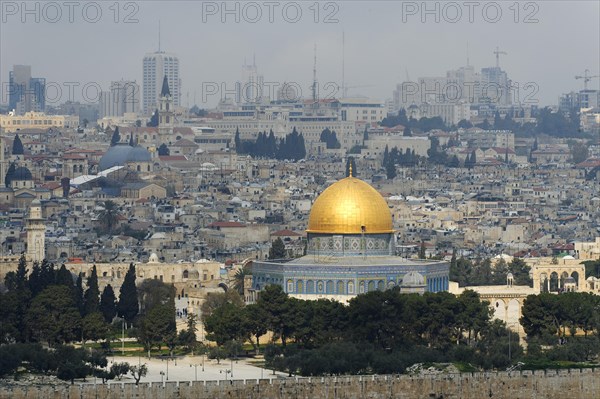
x=413 y=279
x=153 y=258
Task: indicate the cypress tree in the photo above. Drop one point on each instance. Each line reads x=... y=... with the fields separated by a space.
x=238 y=143
x=92 y=294
x=116 y=137
x=386 y=155
x=64 y=277
x=128 y=306
x=17 y=148
x=79 y=294
x=108 y=305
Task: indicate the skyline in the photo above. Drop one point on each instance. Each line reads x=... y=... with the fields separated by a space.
x=369 y=28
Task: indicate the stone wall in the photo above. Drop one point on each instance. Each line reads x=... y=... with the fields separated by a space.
x=574 y=384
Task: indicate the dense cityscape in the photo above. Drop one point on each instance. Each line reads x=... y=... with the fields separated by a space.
x=261 y=230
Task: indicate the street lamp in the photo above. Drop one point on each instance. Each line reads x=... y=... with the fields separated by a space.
x=195 y=370
x=162 y=373
x=123 y=337
x=226 y=371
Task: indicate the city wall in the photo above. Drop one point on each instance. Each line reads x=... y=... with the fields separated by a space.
x=551 y=384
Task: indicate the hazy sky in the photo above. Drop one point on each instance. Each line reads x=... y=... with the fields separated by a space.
x=548 y=42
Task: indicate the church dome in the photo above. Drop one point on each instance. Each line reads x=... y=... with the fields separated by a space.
x=22 y=173
x=121 y=154
x=348 y=206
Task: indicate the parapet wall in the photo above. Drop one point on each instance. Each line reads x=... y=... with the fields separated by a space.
x=574 y=384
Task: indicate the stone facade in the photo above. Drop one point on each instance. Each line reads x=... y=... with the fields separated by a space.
x=550 y=384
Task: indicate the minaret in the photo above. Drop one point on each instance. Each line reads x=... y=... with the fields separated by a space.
x=36 y=232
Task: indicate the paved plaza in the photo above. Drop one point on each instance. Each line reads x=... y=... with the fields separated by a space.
x=192 y=368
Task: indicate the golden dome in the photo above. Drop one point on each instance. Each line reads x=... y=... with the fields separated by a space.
x=348 y=205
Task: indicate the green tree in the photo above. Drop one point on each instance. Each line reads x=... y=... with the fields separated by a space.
x=256 y=323
x=109 y=215
x=579 y=152
x=128 y=306
x=17 y=281
x=278 y=308
x=277 y=250
x=407 y=132
x=91 y=297
x=119 y=369
x=78 y=295
x=240 y=276
x=390 y=170
x=94 y=328
x=520 y=271
x=153 y=119
x=17 y=148
x=225 y=324
x=64 y=277
x=158 y=327
x=116 y=137
x=108 y=305
x=137 y=372
x=187 y=337
x=163 y=150
x=53 y=317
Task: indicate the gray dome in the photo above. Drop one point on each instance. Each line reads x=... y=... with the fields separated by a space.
x=22 y=173
x=121 y=154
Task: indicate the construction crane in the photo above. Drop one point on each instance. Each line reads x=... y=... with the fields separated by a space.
x=498 y=52
x=586 y=78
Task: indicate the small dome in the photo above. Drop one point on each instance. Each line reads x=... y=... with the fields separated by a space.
x=121 y=154
x=153 y=258
x=350 y=206
x=22 y=173
x=413 y=279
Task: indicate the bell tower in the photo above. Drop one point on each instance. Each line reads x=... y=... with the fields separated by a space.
x=166 y=114
x=36 y=232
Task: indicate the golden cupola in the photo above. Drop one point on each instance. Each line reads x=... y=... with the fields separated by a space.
x=350 y=206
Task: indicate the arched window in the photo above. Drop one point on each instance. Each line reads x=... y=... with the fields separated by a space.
x=300 y=287
x=350 y=287
x=290 y=286
x=340 y=288
x=186 y=274
x=371 y=286
x=361 y=287
x=329 y=287
x=310 y=287
x=380 y=285
x=320 y=287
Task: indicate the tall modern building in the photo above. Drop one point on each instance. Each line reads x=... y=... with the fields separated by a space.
x=25 y=93
x=156 y=66
x=123 y=97
x=495 y=86
x=251 y=88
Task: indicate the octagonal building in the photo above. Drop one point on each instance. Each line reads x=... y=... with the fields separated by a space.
x=351 y=247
